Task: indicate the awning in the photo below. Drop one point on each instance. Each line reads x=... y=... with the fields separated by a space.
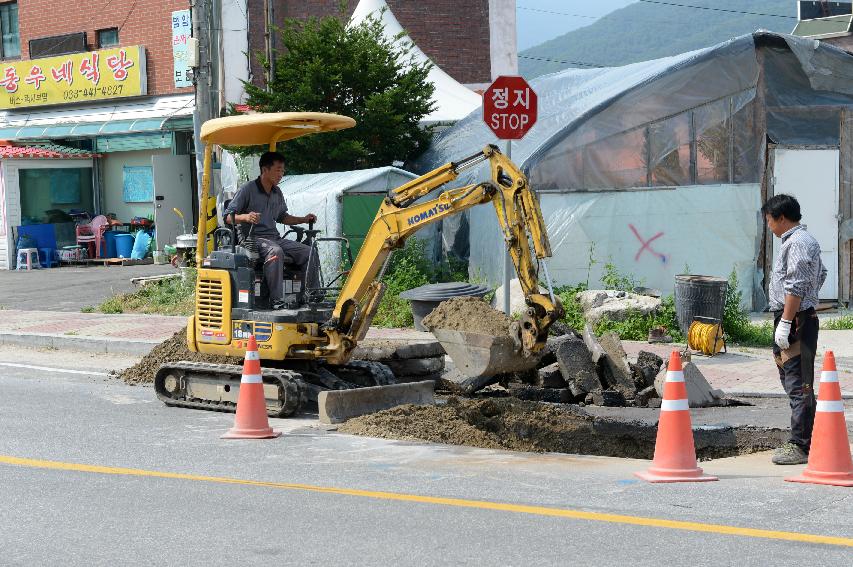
x=44 y=151
x=155 y=115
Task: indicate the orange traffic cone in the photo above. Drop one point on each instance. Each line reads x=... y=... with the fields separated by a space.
x=829 y=458
x=675 y=454
x=251 y=421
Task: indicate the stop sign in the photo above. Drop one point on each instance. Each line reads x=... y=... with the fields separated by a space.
x=509 y=107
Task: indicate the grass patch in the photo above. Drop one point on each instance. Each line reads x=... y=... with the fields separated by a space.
x=843 y=323
x=174 y=296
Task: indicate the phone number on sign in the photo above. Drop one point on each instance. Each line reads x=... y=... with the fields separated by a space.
x=93 y=92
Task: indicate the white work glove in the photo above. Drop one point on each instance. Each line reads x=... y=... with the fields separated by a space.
x=783 y=329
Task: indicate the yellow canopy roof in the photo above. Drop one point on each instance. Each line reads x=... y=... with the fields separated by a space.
x=267 y=128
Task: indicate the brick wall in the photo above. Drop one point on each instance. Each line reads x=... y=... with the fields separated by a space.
x=140 y=23
x=453 y=33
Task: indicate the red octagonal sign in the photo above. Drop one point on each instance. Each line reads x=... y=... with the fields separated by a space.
x=509 y=107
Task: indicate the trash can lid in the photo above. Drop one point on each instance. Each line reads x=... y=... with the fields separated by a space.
x=442 y=291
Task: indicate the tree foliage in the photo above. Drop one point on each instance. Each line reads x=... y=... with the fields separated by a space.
x=325 y=66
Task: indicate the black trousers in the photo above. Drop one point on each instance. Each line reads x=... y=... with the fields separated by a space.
x=796 y=372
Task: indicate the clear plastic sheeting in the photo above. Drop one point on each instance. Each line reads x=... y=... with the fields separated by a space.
x=652 y=235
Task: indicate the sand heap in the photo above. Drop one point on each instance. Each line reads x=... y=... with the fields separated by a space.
x=170 y=350
x=468 y=314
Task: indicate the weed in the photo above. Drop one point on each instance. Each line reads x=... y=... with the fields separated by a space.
x=613 y=279
x=87 y=309
x=172 y=296
x=71 y=333
x=843 y=323
x=736 y=324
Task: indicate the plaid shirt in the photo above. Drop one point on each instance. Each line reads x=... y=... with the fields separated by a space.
x=798 y=270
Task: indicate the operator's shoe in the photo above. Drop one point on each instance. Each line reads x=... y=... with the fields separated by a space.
x=790 y=454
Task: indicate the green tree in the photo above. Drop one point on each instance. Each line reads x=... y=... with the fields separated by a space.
x=325 y=66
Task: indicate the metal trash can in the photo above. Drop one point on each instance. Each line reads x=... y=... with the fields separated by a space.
x=698 y=296
x=427 y=297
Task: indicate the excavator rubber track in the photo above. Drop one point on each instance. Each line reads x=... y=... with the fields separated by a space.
x=215 y=387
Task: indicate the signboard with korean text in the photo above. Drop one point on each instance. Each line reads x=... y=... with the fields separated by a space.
x=77 y=77
x=509 y=107
x=181 y=32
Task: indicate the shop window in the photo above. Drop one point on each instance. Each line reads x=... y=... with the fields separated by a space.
x=107 y=37
x=53 y=195
x=11 y=39
x=669 y=151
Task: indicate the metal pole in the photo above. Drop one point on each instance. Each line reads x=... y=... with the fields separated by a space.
x=201 y=80
x=507 y=260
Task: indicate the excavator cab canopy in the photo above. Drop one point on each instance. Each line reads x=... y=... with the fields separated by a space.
x=270 y=128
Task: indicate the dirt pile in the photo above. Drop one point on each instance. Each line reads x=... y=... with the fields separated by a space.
x=469 y=314
x=170 y=350
x=512 y=424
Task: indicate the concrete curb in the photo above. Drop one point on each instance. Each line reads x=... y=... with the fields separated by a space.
x=736 y=394
x=106 y=345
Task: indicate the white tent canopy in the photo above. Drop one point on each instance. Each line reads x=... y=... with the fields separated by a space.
x=453 y=101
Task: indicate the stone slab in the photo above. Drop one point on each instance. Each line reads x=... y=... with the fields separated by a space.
x=337 y=406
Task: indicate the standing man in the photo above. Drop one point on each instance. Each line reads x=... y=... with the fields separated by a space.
x=798 y=275
x=261 y=203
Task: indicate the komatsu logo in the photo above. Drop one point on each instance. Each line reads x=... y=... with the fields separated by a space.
x=440 y=208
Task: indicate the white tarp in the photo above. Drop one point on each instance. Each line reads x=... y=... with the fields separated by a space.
x=641 y=233
x=453 y=101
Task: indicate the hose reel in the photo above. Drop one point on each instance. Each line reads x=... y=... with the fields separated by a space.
x=706 y=336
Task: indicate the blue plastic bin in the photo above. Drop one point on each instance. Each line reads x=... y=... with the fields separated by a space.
x=110 y=240
x=124 y=245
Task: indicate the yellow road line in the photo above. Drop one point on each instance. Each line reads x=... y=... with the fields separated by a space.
x=455 y=502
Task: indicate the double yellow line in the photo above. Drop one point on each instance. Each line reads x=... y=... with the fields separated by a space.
x=453 y=502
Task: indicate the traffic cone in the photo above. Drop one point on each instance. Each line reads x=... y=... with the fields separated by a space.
x=675 y=453
x=829 y=458
x=251 y=420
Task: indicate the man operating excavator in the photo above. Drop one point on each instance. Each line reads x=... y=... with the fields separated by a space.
x=261 y=203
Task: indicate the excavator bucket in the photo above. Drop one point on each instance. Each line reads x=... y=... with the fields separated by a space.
x=479 y=356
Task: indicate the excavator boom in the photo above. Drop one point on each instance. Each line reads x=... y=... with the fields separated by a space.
x=401 y=215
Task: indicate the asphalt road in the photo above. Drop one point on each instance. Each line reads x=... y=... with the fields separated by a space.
x=94 y=472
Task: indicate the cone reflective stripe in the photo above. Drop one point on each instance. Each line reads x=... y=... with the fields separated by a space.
x=675 y=453
x=829 y=459
x=251 y=420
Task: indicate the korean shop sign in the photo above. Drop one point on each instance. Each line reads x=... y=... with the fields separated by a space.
x=509 y=107
x=181 y=32
x=77 y=77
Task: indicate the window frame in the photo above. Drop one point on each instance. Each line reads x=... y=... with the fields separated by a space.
x=3 y=55
x=98 y=37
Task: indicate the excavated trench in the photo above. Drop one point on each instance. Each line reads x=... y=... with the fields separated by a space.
x=517 y=425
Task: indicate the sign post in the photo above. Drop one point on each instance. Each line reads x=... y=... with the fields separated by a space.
x=509 y=110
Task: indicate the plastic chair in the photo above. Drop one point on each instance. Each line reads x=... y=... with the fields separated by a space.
x=48 y=257
x=92 y=234
x=28 y=258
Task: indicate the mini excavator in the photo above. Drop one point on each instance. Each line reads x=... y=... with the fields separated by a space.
x=306 y=346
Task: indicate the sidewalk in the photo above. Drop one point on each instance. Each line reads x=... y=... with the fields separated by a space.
x=740 y=371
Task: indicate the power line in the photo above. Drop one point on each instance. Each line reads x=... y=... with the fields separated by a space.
x=715 y=9
x=557 y=13
x=582 y=64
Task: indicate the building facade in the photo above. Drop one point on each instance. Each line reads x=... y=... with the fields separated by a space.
x=110 y=81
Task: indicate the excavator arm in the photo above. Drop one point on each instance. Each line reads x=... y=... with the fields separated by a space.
x=399 y=217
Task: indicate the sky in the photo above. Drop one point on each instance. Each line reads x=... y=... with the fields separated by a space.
x=541 y=20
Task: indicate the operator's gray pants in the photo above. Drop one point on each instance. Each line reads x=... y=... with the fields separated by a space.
x=276 y=253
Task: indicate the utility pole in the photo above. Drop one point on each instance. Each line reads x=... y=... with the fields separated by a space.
x=202 y=80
